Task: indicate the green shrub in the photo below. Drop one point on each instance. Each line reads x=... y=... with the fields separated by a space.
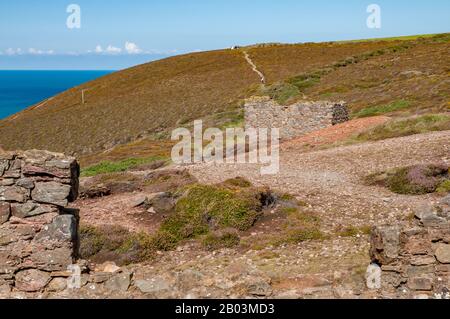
x=383 y=109
x=444 y=187
x=282 y=92
x=114 y=243
x=228 y=238
x=114 y=167
x=202 y=208
x=406 y=127
x=412 y=180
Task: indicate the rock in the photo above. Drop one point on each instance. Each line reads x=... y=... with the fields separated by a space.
x=99 y=277
x=32 y=280
x=446 y=200
x=162 y=203
x=30 y=209
x=56 y=259
x=373 y=277
x=423 y=283
x=95 y=191
x=4 y=165
x=385 y=244
x=154 y=285
x=423 y=261
x=443 y=254
x=108 y=267
x=13 y=194
x=63 y=227
x=189 y=279
x=51 y=193
x=57 y=285
x=27 y=183
x=7 y=182
x=5 y=212
x=139 y=201
x=424 y=211
x=259 y=288
x=119 y=282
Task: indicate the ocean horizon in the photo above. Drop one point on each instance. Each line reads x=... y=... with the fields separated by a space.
x=20 y=89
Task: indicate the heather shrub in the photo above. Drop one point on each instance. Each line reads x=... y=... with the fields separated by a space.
x=413 y=180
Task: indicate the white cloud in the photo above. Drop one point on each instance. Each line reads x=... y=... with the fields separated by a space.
x=132 y=48
x=113 y=50
x=34 y=51
x=11 y=51
x=98 y=49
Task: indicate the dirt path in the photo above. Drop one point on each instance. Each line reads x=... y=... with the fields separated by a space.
x=331 y=180
x=254 y=67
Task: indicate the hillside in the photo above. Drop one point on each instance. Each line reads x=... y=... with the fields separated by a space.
x=147 y=101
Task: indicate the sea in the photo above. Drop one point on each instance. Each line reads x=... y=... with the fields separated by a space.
x=21 y=89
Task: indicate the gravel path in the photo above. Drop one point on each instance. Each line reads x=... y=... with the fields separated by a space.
x=331 y=180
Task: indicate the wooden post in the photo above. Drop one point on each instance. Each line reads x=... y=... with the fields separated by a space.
x=82 y=96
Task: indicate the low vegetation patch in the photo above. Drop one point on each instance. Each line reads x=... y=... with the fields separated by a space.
x=204 y=208
x=114 y=243
x=227 y=238
x=120 y=166
x=406 y=127
x=298 y=226
x=413 y=180
x=352 y=231
x=383 y=109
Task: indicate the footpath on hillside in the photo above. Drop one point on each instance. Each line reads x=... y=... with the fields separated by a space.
x=254 y=67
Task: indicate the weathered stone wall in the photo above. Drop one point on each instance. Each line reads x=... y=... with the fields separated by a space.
x=38 y=234
x=296 y=119
x=413 y=260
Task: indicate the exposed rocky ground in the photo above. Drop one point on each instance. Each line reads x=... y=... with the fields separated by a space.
x=329 y=183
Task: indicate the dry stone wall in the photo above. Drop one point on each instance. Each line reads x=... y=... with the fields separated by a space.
x=296 y=119
x=413 y=261
x=38 y=233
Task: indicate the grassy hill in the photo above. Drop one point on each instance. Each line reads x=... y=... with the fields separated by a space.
x=141 y=105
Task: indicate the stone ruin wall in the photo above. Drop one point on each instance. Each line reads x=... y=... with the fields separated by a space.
x=413 y=261
x=38 y=233
x=296 y=119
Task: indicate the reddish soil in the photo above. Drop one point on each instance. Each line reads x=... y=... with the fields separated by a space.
x=335 y=133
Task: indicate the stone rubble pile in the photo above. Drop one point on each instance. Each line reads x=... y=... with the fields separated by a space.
x=413 y=261
x=38 y=233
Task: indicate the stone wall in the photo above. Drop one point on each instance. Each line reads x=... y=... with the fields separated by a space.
x=296 y=119
x=413 y=261
x=38 y=233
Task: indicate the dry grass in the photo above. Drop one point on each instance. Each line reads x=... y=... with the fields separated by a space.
x=146 y=102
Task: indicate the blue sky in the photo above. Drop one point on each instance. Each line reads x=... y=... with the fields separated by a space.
x=34 y=35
